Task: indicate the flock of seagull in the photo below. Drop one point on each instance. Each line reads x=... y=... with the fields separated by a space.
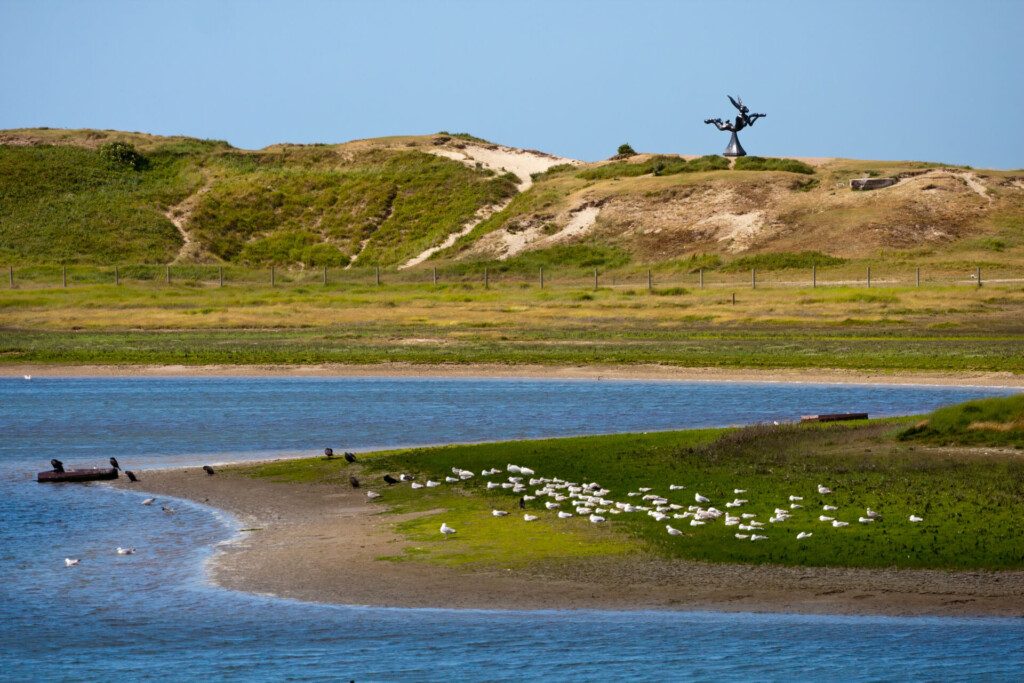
x=569 y=499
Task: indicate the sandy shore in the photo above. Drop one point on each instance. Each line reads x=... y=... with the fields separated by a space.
x=324 y=543
x=616 y=372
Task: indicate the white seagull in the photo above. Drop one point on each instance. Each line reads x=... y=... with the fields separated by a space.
x=829 y=507
x=499 y=513
x=596 y=519
x=372 y=494
x=836 y=523
x=149 y=501
x=823 y=489
x=675 y=487
x=865 y=520
x=824 y=518
x=30 y=377
x=529 y=518
x=755 y=537
x=446 y=530
x=672 y=531
x=125 y=551
x=701 y=499
x=564 y=515
x=432 y=484
x=915 y=518
x=803 y=534
x=68 y=562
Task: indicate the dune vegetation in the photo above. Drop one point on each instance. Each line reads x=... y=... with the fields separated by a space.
x=970 y=500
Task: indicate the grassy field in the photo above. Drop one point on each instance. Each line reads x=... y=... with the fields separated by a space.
x=937 y=328
x=971 y=499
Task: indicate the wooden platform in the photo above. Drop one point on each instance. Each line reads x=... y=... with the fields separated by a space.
x=833 y=417
x=88 y=474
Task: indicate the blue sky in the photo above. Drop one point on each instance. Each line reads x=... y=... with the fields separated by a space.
x=941 y=81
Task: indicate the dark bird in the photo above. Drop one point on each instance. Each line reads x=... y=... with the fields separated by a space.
x=354 y=482
x=522 y=503
x=350 y=457
x=131 y=476
x=208 y=470
x=58 y=466
x=113 y=463
x=329 y=452
x=391 y=481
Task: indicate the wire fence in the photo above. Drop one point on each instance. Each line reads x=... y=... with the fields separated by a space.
x=660 y=280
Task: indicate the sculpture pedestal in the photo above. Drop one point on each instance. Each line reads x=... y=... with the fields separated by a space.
x=735 y=149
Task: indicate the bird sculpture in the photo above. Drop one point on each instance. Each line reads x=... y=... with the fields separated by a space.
x=209 y=470
x=114 y=464
x=389 y=480
x=354 y=482
x=350 y=457
x=57 y=465
x=131 y=476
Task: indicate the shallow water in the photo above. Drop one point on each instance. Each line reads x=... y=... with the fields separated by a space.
x=152 y=615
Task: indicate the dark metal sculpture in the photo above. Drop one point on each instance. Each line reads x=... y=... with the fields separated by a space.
x=735 y=149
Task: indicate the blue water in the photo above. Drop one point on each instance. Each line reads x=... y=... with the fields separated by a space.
x=153 y=616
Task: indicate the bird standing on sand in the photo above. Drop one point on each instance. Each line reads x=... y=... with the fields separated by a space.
x=389 y=480
x=350 y=457
x=113 y=463
x=329 y=452
x=131 y=476
x=354 y=482
x=446 y=530
x=57 y=465
x=209 y=470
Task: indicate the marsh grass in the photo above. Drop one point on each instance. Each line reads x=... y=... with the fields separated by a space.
x=972 y=502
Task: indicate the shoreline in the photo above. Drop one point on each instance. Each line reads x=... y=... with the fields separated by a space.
x=554 y=372
x=321 y=543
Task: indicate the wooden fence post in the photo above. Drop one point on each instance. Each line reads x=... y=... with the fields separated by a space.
x=434 y=275
x=220 y=274
x=63 y=276
x=869 y=276
x=814 y=276
x=325 y=274
x=595 y=279
x=650 y=281
x=919 y=276
x=734 y=298
x=702 y=278
x=753 y=278
x=273 y=277
x=487 y=280
x=168 y=272
x=378 y=276
x=542 y=277
x=10 y=273
x=117 y=276
x=977 y=275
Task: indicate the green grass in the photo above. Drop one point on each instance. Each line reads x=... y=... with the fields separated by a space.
x=783 y=261
x=658 y=165
x=972 y=503
x=985 y=422
x=71 y=205
x=772 y=164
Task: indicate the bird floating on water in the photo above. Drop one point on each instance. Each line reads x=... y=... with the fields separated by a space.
x=149 y=501
x=125 y=551
x=27 y=376
x=69 y=562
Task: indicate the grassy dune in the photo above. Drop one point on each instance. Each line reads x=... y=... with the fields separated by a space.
x=972 y=500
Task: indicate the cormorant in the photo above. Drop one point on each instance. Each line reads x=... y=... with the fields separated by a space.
x=354 y=482
x=350 y=457
x=329 y=452
x=58 y=466
x=391 y=481
x=131 y=476
x=522 y=503
x=208 y=470
x=113 y=463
